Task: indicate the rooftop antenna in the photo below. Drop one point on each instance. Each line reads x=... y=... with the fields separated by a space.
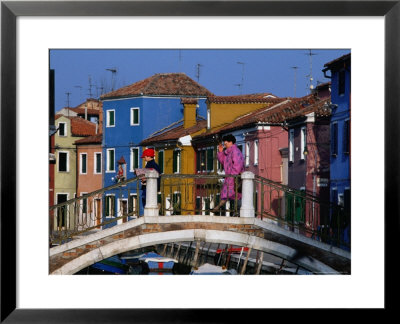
x=241 y=84
x=310 y=54
x=113 y=73
x=90 y=87
x=295 y=78
x=68 y=94
x=198 y=71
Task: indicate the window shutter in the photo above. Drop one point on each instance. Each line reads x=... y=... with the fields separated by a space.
x=334 y=138
x=198 y=161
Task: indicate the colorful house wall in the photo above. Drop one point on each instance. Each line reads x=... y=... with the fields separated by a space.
x=134 y=113
x=89 y=178
x=70 y=129
x=340 y=148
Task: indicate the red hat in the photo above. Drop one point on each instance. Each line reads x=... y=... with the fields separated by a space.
x=148 y=152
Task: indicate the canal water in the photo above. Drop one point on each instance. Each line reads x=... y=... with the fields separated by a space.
x=230 y=259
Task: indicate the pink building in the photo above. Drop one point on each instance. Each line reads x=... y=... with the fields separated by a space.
x=89 y=178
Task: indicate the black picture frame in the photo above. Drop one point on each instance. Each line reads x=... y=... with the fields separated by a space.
x=10 y=10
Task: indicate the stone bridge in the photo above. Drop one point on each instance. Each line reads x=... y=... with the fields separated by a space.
x=262 y=235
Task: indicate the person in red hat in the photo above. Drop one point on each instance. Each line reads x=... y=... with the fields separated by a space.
x=148 y=156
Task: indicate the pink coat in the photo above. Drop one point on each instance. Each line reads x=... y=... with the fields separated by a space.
x=233 y=163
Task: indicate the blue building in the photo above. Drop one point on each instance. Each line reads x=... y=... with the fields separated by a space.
x=340 y=152
x=131 y=114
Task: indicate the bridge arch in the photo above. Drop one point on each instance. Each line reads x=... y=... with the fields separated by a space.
x=71 y=257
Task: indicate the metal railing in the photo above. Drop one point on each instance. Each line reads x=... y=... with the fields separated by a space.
x=188 y=194
x=99 y=209
x=184 y=194
x=302 y=212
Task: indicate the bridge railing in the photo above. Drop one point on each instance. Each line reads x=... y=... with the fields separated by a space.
x=199 y=194
x=101 y=208
x=302 y=212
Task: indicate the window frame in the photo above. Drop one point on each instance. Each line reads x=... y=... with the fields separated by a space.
x=81 y=163
x=107 y=210
x=64 y=129
x=108 y=161
x=131 y=158
x=132 y=123
x=66 y=161
x=177 y=152
x=291 y=145
x=95 y=164
x=108 y=118
x=255 y=152
x=247 y=154
x=303 y=141
x=346 y=136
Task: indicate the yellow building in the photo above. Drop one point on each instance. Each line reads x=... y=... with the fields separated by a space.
x=179 y=160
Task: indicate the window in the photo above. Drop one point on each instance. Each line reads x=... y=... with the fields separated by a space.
x=334 y=139
x=84 y=202
x=176 y=161
x=134 y=116
x=132 y=205
x=63 y=161
x=205 y=159
x=62 y=129
x=110 y=118
x=134 y=158
x=303 y=137
x=255 y=152
x=110 y=160
x=110 y=205
x=210 y=158
x=291 y=145
x=342 y=82
x=247 y=157
x=176 y=203
x=346 y=137
x=160 y=160
x=83 y=163
x=97 y=163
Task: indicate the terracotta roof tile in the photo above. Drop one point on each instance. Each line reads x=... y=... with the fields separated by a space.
x=82 y=127
x=95 y=139
x=275 y=114
x=162 y=84
x=248 y=98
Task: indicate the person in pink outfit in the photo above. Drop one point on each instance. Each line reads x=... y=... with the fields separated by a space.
x=232 y=161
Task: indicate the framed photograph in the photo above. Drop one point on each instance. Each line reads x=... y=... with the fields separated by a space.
x=30 y=28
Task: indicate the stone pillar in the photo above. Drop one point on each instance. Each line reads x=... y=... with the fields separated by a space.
x=151 y=208
x=247 y=209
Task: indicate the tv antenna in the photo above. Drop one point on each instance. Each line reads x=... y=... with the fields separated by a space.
x=242 y=82
x=68 y=94
x=310 y=54
x=198 y=71
x=90 y=87
x=295 y=79
x=113 y=73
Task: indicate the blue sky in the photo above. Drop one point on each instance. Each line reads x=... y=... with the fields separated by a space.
x=221 y=71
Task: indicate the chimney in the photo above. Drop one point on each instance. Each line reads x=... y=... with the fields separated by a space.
x=189 y=111
x=85 y=111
